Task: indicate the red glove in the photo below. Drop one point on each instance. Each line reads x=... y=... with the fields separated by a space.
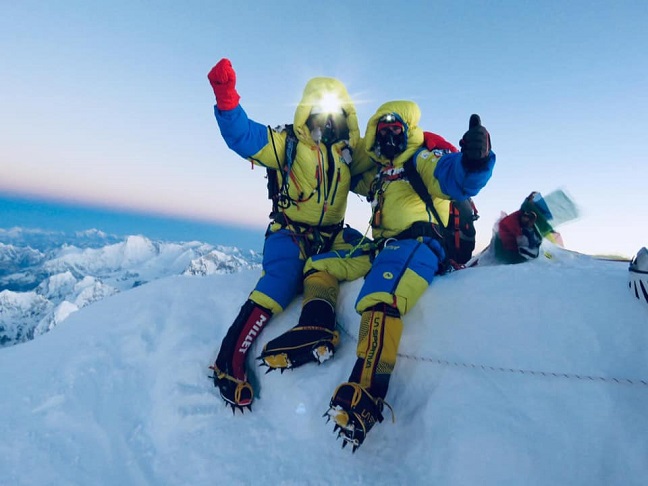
x=433 y=141
x=223 y=81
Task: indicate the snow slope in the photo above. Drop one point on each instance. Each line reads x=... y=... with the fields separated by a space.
x=533 y=374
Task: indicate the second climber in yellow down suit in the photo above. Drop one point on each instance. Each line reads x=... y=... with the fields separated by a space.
x=410 y=251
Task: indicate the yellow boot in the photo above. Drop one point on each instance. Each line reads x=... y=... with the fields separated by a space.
x=356 y=406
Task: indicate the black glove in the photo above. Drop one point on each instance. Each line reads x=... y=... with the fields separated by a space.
x=475 y=146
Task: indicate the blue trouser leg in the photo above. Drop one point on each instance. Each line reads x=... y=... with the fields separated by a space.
x=282 y=269
x=400 y=274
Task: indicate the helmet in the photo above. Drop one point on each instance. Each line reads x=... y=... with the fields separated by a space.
x=391 y=138
x=638 y=275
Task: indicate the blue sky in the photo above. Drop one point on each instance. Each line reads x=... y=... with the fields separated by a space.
x=108 y=103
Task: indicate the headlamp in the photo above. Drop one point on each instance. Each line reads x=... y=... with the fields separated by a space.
x=329 y=104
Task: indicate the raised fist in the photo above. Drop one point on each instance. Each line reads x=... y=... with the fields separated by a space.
x=223 y=81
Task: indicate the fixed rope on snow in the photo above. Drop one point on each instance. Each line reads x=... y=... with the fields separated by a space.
x=498 y=369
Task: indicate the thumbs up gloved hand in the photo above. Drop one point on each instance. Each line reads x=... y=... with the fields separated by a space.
x=475 y=146
x=223 y=81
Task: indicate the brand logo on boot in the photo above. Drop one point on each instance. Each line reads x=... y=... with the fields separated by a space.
x=253 y=333
x=368 y=417
x=375 y=332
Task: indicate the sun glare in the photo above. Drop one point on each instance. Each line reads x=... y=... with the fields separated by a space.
x=330 y=103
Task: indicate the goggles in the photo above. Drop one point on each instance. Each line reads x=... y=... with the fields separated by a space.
x=390 y=123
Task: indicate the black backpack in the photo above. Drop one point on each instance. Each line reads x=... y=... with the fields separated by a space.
x=459 y=235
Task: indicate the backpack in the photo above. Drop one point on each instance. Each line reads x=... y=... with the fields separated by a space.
x=460 y=232
x=458 y=237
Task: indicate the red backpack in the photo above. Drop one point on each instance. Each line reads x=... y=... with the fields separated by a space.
x=460 y=232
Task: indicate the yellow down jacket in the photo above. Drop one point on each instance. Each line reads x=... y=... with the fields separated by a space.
x=395 y=204
x=320 y=177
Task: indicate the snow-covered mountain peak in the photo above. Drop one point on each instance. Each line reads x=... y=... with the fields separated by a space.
x=42 y=287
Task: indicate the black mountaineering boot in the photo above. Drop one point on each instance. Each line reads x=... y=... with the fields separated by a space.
x=314 y=338
x=230 y=370
x=354 y=412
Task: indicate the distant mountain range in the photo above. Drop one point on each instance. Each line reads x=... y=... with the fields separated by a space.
x=45 y=276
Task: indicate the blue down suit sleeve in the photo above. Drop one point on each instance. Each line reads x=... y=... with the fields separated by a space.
x=458 y=183
x=244 y=136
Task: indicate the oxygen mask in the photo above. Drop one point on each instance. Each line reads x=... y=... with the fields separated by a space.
x=327 y=127
x=390 y=136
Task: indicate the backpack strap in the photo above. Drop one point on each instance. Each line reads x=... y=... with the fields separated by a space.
x=291 y=147
x=416 y=181
x=276 y=193
x=454 y=214
x=418 y=185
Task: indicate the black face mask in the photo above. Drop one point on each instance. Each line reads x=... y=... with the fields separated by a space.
x=390 y=145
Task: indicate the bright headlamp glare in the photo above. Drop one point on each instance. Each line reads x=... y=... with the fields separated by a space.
x=329 y=104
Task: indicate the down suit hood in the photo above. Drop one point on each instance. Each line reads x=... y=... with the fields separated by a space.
x=410 y=114
x=315 y=90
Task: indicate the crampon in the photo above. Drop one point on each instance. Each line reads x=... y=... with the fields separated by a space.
x=237 y=394
x=354 y=412
x=298 y=346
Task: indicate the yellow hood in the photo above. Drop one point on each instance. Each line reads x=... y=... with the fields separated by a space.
x=410 y=113
x=315 y=90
